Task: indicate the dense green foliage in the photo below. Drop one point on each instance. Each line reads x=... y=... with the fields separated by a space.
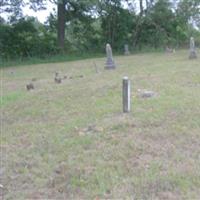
x=91 y=24
x=26 y=38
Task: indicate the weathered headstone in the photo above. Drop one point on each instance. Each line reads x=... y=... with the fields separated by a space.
x=57 y=78
x=126 y=50
x=96 y=68
x=30 y=86
x=193 y=53
x=110 y=64
x=126 y=93
x=169 y=50
x=146 y=93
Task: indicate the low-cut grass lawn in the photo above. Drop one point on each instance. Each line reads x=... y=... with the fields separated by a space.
x=72 y=141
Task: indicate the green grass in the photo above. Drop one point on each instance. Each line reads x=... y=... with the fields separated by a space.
x=72 y=141
x=64 y=58
x=11 y=98
x=48 y=59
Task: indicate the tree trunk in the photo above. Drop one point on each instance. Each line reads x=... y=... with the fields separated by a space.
x=61 y=24
x=141 y=8
x=147 y=4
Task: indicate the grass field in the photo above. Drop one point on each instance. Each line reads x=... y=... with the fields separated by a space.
x=72 y=141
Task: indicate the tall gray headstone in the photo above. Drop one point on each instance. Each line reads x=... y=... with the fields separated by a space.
x=126 y=50
x=110 y=64
x=193 y=53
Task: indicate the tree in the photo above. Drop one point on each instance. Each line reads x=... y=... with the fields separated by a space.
x=66 y=11
x=61 y=23
x=116 y=23
x=26 y=38
x=188 y=10
x=86 y=25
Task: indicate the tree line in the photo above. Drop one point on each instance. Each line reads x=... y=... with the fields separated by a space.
x=87 y=25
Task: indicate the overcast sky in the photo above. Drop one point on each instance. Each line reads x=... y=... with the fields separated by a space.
x=42 y=14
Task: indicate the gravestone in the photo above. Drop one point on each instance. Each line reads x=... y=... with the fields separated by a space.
x=193 y=53
x=109 y=62
x=30 y=86
x=57 y=78
x=169 y=50
x=126 y=50
x=96 y=68
x=126 y=95
x=146 y=93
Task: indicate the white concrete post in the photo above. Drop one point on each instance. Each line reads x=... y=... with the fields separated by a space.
x=126 y=93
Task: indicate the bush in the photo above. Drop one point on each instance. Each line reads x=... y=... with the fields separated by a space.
x=26 y=38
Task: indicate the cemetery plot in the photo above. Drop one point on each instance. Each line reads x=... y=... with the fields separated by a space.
x=72 y=140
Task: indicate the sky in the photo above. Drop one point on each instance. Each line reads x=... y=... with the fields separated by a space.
x=42 y=14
